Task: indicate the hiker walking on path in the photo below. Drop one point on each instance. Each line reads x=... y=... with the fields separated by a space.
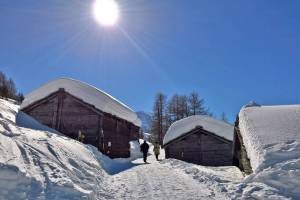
x=144 y=149
x=156 y=150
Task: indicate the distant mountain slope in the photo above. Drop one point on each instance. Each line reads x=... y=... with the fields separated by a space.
x=146 y=120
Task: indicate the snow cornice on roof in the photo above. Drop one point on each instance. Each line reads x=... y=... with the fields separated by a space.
x=88 y=93
x=265 y=128
x=207 y=123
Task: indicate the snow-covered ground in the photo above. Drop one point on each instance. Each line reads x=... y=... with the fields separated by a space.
x=38 y=163
x=173 y=179
x=271 y=135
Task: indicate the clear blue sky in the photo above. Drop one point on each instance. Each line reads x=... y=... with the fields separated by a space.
x=230 y=52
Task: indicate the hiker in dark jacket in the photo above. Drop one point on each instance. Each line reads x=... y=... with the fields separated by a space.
x=144 y=149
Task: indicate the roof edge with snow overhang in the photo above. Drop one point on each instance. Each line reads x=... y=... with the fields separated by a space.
x=265 y=128
x=207 y=123
x=88 y=93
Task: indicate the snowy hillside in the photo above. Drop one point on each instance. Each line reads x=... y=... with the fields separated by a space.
x=41 y=164
x=146 y=120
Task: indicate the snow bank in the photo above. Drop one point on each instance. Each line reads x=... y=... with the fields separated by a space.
x=87 y=93
x=43 y=165
x=268 y=129
x=115 y=166
x=223 y=180
x=135 y=150
x=210 y=124
x=271 y=135
x=26 y=121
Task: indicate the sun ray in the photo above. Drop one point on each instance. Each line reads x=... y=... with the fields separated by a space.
x=145 y=55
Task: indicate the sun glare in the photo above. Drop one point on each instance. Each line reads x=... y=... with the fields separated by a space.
x=106 y=12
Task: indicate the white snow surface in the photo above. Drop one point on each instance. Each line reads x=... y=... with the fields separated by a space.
x=39 y=163
x=271 y=135
x=87 y=93
x=265 y=127
x=174 y=179
x=188 y=124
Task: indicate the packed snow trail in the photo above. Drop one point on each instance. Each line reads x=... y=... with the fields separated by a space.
x=158 y=180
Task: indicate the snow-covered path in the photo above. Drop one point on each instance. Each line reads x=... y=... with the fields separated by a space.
x=158 y=180
x=37 y=162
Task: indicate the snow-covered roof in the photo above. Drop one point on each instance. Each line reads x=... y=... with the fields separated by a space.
x=269 y=132
x=87 y=93
x=188 y=124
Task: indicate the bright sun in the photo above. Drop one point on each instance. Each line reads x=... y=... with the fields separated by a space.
x=106 y=12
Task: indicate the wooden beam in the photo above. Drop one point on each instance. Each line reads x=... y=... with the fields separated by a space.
x=40 y=102
x=60 y=102
x=100 y=134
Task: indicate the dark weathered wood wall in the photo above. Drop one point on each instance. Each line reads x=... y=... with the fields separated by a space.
x=201 y=148
x=240 y=156
x=68 y=114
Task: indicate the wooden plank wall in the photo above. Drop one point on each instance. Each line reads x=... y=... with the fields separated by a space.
x=46 y=112
x=75 y=116
x=69 y=114
x=134 y=132
x=201 y=148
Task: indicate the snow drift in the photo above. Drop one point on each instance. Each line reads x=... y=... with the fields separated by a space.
x=38 y=164
x=271 y=135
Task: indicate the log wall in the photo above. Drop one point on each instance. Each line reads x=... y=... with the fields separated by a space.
x=69 y=115
x=201 y=148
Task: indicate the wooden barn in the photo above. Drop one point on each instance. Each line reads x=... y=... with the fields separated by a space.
x=263 y=135
x=200 y=140
x=81 y=111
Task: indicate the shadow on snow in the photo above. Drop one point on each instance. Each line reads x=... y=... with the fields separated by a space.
x=119 y=167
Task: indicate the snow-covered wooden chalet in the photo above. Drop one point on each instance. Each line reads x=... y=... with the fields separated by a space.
x=265 y=136
x=201 y=140
x=73 y=107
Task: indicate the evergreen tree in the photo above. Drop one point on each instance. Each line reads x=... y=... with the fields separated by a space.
x=173 y=109
x=176 y=108
x=20 y=97
x=8 y=88
x=3 y=85
x=12 y=92
x=196 y=105
x=159 y=122
x=183 y=107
